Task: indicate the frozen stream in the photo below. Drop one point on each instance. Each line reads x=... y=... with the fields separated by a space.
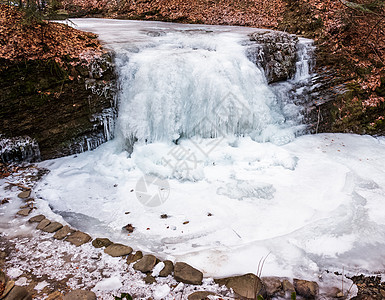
x=240 y=183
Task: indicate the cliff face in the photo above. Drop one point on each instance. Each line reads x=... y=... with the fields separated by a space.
x=65 y=109
x=56 y=88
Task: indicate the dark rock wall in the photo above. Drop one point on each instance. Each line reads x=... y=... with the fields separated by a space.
x=65 y=109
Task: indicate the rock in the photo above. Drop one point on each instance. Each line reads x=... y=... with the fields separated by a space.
x=273 y=285
x=287 y=286
x=3 y=278
x=307 y=289
x=168 y=268
x=53 y=227
x=248 y=286
x=78 y=238
x=116 y=250
x=63 y=232
x=134 y=257
x=187 y=274
x=24 y=194
x=279 y=54
x=8 y=287
x=24 y=212
x=201 y=295
x=149 y=279
x=101 y=242
x=43 y=223
x=146 y=264
x=80 y=295
x=18 y=293
x=55 y=296
x=129 y=228
x=37 y=218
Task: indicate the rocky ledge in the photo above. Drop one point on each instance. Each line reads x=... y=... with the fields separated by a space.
x=49 y=110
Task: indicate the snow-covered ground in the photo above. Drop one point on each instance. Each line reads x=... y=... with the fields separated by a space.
x=218 y=176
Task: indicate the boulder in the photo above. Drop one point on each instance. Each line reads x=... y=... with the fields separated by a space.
x=24 y=212
x=134 y=257
x=116 y=250
x=306 y=289
x=101 y=242
x=168 y=268
x=80 y=295
x=248 y=286
x=63 y=232
x=187 y=274
x=201 y=295
x=43 y=223
x=18 y=293
x=146 y=264
x=78 y=238
x=53 y=227
x=37 y=218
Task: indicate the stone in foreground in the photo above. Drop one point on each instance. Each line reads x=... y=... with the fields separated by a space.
x=201 y=295
x=78 y=238
x=18 y=293
x=24 y=212
x=168 y=269
x=134 y=257
x=43 y=224
x=248 y=286
x=63 y=232
x=116 y=250
x=80 y=295
x=37 y=218
x=146 y=264
x=25 y=194
x=273 y=285
x=187 y=274
x=53 y=227
x=101 y=242
x=307 y=289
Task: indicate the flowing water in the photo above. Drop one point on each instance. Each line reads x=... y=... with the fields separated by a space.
x=210 y=165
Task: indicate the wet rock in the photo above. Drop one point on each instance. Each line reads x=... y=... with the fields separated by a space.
x=53 y=227
x=168 y=268
x=24 y=194
x=116 y=250
x=78 y=238
x=43 y=224
x=37 y=218
x=134 y=257
x=101 y=242
x=63 y=232
x=248 y=286
x=24 y=212
x=149 y=279
x=273 y=285
x=8 y=287
x=80 y=295
x=187 y=274
x=307 y=289
x=18 y=293
x=146 y=264
x=201 y=295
